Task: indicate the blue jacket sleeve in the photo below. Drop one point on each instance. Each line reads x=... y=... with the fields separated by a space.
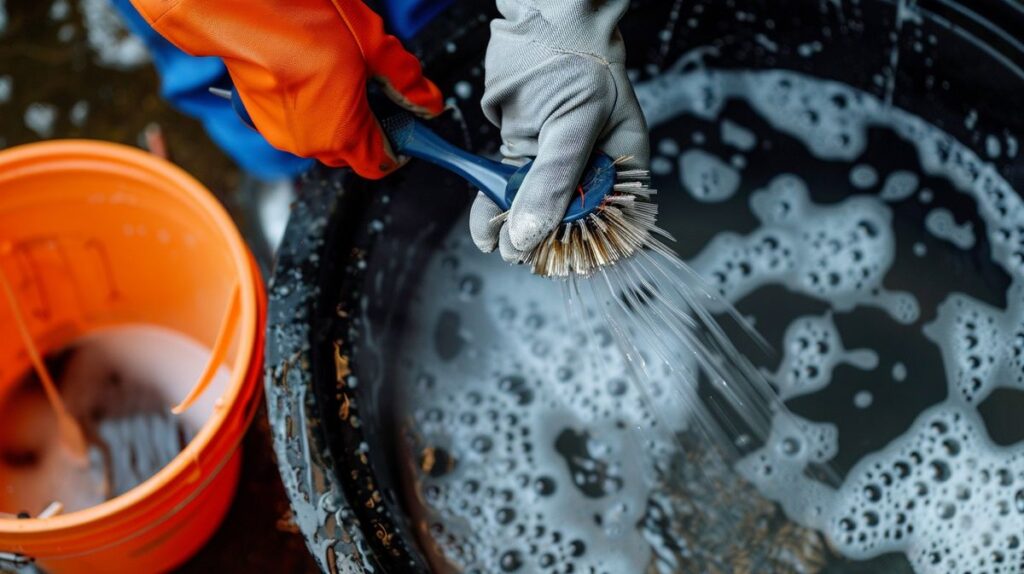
x=406 y=18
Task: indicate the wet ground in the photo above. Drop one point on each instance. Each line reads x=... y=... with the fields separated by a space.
x=68 y=70
x=63 y=75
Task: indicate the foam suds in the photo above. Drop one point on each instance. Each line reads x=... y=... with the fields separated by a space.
x=899 y=372
x=863 y=176
x=707 y=177
x=738 y=136
x=535 y=417
x=120 y=384
x=832 y=120
x=983 y=347
x=942 y=494
x=838 y=253
x=523 y=419
x=899 y=186
x=794 y=444
x=812 y=350
x=940 y=501
x=941 y=223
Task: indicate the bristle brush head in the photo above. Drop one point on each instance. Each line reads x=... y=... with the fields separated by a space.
x=610 y=220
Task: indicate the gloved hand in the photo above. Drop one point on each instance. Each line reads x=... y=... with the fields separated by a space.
x=556 y=85
x=301 y=68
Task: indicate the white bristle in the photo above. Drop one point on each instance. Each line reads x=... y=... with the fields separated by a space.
x=631 y=174
x=625 y=224
x=565 y=234
x=628 y=186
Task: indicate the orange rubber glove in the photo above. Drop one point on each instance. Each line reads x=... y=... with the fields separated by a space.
x=301 y=68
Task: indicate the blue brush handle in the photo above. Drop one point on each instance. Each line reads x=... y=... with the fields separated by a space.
x=239 y=107
x=498 y=181
x=410 y=137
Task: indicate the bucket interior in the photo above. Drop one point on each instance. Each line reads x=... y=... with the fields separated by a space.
x=848 y=174
x=100 y=239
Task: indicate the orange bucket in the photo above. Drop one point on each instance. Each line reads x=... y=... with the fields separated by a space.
x=99 y=235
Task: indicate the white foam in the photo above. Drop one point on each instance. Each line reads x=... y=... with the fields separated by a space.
x=982 y=347
x=706 y=177
x=838 y=253
x=899 y=372
x=992 y=146
x=863 y=176
x=941 y=223
x=119 y=383
x=669 y=147
x=661 y=166
x=863 y=399
x=832 y=120
x=778 y=467
x=812 y=350
x=943 y=494
x=899 y=186
x=738 y=136
x=508 y=385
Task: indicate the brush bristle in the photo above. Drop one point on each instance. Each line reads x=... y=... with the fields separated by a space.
x=624 y=224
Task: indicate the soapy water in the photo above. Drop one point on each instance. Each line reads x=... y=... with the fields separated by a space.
x=899 y=186
x=941 y=223
x=838 y=253
x=120 y=384
x=522 y=419
x=530 y=412
x=813 y=349
x=707 y=177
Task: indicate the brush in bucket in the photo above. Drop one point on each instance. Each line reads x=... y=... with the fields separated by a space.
x=610 y=219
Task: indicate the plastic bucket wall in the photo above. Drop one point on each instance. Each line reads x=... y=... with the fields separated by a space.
x=94 y=235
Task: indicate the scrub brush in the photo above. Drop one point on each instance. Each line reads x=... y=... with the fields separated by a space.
x=610 y=219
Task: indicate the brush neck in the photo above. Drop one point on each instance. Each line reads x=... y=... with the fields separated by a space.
x=411 y=138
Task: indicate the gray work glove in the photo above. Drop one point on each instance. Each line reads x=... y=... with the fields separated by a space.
x=556 y=86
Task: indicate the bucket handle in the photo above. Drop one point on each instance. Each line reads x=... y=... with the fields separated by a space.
x=220 y=349
x=71 y=435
